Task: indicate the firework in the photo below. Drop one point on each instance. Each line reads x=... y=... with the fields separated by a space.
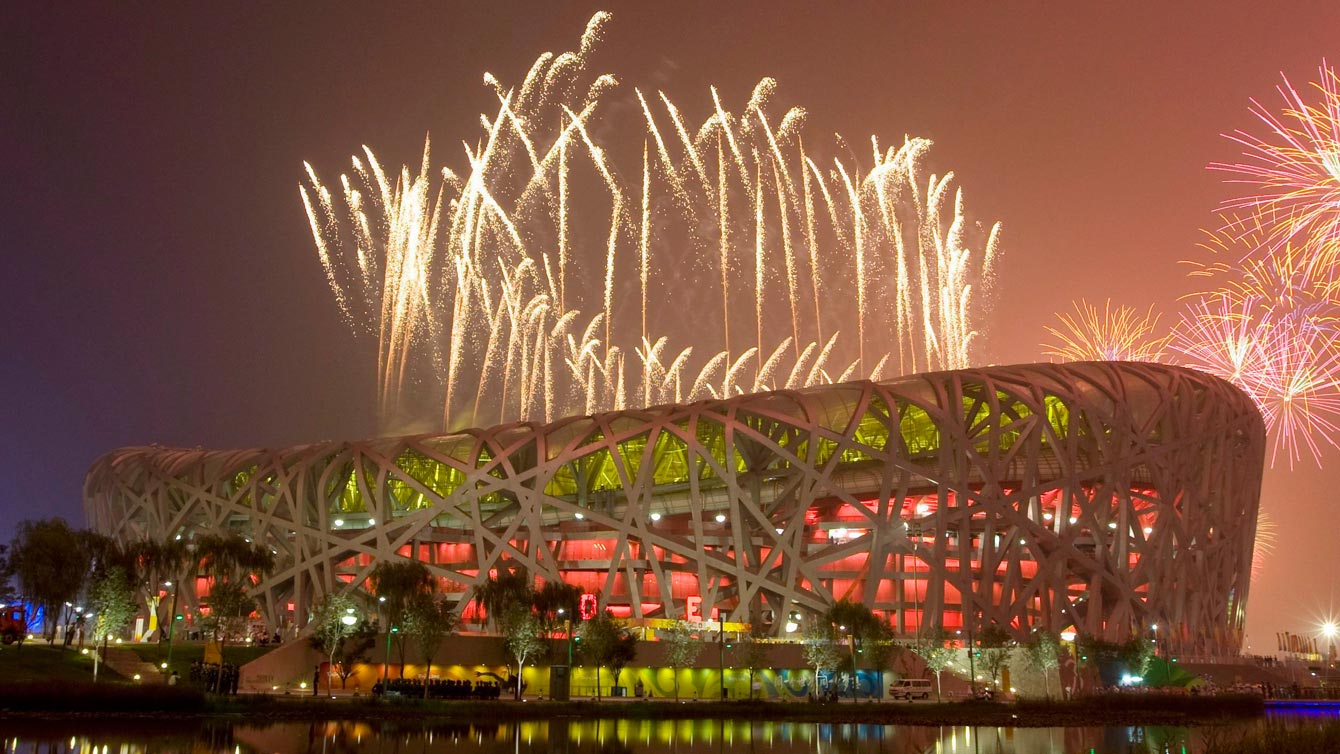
x=1294 y=169
x=534 y=282
x=1284 y=359
x=1121 y=334
x=1266 y=531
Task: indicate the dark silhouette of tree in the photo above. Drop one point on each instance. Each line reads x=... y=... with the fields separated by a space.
x=606 y=642
x=556 y=602
x=396 y=583
x=154 y=565
x=231 y=563
x=50 y=566
x=430 y=620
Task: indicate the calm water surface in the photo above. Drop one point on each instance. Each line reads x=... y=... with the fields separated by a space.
x=603 y=736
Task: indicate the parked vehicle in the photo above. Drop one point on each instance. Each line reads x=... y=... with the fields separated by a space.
x=910 y=688
x=13 y=623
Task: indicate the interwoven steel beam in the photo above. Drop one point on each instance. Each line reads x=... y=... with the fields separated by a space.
x=1100 y=496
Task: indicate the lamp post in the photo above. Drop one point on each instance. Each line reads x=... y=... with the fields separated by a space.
x=172 y=620
x=1329 y=629
x=386 y=661
x=721 y=647
x=567 y=631
x=972 y=664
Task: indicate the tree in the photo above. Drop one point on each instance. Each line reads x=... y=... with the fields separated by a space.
x=1136 y=654
x=854 y=623
x=996 y=643
x=354 y=649
x=332 y=622
x=430 y=620
x=229 y=608
x=7 y=593
x=554 y=603
x=606 y=641
x=822 y=652
x=113 y=601
x=682 y=648
x=396 y=582
x=881 y=649
x=232 y=557
x=523 y=641
x=934 y=650
x=1043 y=653
x=625 y=651
x=50 y=566
x=506 y=596
x=753 y=655
x=230 y=562
x=154 y=564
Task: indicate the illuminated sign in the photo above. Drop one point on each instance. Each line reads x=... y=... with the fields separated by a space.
x=586 y=607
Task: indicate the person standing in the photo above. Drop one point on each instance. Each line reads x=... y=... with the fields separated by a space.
x=316 y=679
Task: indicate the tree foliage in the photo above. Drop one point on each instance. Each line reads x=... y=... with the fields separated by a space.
x=153 y=564
x=506 y=596
x=934 y=650
x=822 y=650
x=396 y=583
x=606 y=642
x=753 y=654
x=113 y=601
x=431 y=620
x=50 y=565
x=232 y=557
x=523 y=641
x=683 y=645
x=1042 y=652
x=333 y=623
x=556 y=602
x=996 y=644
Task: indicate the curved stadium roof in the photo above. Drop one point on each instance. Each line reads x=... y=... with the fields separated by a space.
x=1027 y=495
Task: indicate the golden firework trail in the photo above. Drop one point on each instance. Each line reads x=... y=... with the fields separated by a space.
x=1120 y=334
x=533 y=283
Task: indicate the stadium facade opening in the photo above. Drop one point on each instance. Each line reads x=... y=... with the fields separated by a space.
x=1096 y=497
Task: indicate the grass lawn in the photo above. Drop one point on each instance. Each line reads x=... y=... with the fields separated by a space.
x=35 y=661
x=184 y=653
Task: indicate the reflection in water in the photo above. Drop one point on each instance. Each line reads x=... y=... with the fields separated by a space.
x=598 y=737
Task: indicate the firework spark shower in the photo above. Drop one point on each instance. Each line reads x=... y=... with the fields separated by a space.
x=556 y=272
x=1268 y=315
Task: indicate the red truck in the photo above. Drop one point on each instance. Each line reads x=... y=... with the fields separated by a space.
x=13 y=623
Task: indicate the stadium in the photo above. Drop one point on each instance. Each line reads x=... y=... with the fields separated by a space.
x=1101 y=498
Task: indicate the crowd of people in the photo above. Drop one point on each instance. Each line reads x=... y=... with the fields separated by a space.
x=439 y=689
x=211 y=676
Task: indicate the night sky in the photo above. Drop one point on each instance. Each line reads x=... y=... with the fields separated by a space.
x=160 y=283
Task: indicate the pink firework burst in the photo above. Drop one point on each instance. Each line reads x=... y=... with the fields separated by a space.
x=1284 y=359
x=1294 y=168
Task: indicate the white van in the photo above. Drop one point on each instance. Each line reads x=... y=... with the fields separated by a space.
x=910 y=688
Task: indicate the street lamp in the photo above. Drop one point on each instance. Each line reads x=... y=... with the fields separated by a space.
x=1329 y=629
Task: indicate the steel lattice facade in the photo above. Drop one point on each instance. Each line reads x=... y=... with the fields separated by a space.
x=1099 y=496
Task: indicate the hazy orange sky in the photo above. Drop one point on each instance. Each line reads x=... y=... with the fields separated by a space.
x=161 y=284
